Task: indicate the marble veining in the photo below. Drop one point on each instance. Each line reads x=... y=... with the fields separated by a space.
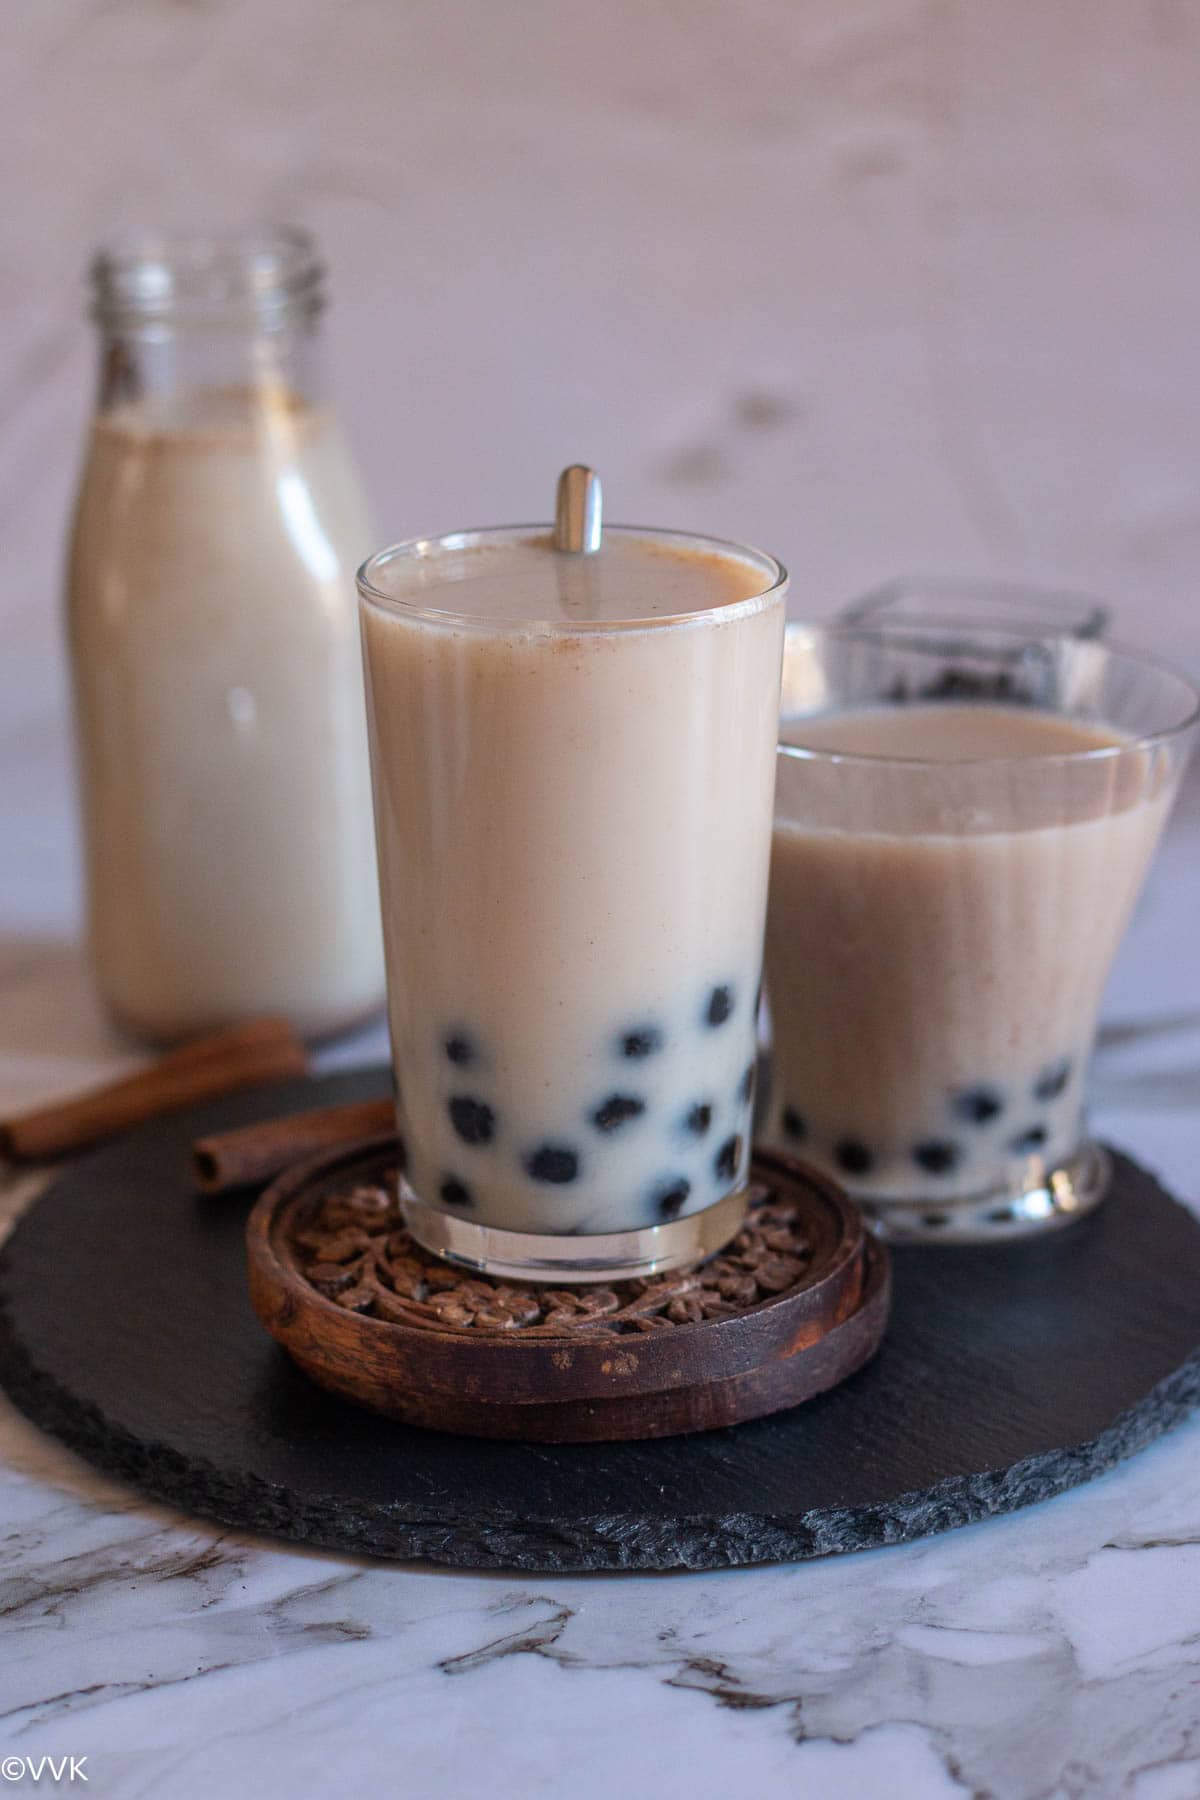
x=1053 y=1654
x=885 y=286
x=1050 y=1655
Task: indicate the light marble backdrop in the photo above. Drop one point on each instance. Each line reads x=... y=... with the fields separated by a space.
x=883 y=284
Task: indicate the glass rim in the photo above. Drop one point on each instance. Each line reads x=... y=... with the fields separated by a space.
x=418 y=548
x=205 y=274
x=872 y=607
x=881 y=631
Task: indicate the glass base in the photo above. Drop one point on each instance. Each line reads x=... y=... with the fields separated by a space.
x=1043 y=1200
x=575 y=1257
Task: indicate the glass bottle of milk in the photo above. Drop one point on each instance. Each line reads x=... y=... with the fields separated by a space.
x=215 y=649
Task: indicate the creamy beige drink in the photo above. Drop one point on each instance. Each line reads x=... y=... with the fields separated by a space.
x=939 y=935
x=220 y=713
x=573 y=762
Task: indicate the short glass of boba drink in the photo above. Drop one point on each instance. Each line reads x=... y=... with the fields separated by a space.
x=961 y=834
x=573 y=760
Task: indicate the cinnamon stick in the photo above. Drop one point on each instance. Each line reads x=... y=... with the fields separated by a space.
x=255 y=1154
x=221 y=1062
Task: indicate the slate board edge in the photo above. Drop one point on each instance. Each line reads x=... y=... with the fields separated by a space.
x=611 y=1542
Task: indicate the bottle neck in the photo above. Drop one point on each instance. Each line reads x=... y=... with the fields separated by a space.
x=175 y=362
x=183 y=316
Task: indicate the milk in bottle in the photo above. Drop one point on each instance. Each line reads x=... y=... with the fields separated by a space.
x=215 y=653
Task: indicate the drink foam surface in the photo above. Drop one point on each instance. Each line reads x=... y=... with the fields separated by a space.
x=950 y=732
x=523 y=580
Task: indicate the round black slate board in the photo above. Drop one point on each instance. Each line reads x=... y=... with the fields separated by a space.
x=1008 y=1374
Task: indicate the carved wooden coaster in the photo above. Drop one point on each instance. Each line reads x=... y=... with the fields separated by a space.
x=795 y=1304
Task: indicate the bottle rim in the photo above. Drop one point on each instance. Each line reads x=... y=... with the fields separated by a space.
x=265 y=275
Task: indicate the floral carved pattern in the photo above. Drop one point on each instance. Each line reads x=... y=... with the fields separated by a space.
x=352 y=1247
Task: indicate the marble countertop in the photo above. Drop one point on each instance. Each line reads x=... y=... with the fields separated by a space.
x=1048 y=1655
x=885 y=286
x=888 y=285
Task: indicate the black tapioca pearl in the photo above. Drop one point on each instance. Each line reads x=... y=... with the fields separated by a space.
x=937 y=1156
x=1053 y=1080
x=719 y=1005
x=460 y=1049
x=616 y=1111
x=746 y=1085
x=455 y=1192
x=978 y=1105
x=853 y=1156
x=555 y=1163
x=795 y=1125
x=640 y=1042
x=474 y=1120
x=698 y=1118
x=725 y=1162
x=1026 y=1142
x=669 y=1196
